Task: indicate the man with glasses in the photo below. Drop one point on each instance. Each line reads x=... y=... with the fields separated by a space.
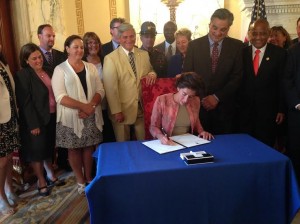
x=218 y=59
x=114 y=43
x=261 y=92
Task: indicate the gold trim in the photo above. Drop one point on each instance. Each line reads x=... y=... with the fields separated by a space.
x=79 y=16
x=113 y=9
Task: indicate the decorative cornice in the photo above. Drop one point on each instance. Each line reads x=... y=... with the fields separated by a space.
x=113 y=9
x=279 y=9
x=79 y=15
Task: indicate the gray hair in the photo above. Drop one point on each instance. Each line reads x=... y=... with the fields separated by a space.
x=125 y=27
x=223 y=14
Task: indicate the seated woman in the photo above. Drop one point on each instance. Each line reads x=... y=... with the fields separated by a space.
x=178 y=113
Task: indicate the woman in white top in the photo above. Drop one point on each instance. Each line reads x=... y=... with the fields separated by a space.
x=78 y=92
x=9 y=137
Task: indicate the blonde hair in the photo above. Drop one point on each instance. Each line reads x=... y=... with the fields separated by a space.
x=184 y=32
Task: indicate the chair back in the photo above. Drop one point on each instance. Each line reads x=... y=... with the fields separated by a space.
x=149 y=95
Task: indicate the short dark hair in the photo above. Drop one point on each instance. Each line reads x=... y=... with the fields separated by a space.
x=41 y=27
x=298 y=20
x=116 y=20
x=26 y=51
x=69 y=41
x=191 y=80
x=93 y=36
x=223 y=14
x=170 y=23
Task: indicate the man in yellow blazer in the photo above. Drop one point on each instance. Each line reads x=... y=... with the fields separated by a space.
x=122 y=73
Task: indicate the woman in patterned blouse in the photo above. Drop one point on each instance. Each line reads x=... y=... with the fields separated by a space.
x=178 y=113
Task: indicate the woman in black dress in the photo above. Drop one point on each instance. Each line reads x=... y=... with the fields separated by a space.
x=9 y=138
x=37 y=111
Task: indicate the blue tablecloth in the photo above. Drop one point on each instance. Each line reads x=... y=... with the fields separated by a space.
x=249 y=182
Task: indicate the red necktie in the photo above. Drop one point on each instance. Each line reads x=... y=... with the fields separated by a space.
x=214 y=57
x=256 y=61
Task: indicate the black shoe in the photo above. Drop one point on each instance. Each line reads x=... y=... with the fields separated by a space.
x=44 y=193
x=57 y=182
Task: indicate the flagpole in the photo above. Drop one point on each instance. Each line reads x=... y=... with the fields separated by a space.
x=257 y=9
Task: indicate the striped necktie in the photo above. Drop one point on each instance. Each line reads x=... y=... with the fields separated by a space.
x=131 y=61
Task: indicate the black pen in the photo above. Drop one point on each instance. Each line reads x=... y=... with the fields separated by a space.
x=164 y=133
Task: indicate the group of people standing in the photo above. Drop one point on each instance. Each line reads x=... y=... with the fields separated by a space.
x=90 y=93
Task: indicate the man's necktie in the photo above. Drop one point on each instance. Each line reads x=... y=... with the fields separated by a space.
x=169 y=53
x=49 y=58
x=131 y=61
x=256 y=61
x=214 y=57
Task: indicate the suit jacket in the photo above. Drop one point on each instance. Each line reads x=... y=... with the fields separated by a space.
x=175 y=65
x=58 y=57
x=296 y=40
x=123 y=89
x=32 y=99
x=107 y=48
x=5 y=111
x=162 y=48
x=225 y=82
x=261 y=95
x=292 y=84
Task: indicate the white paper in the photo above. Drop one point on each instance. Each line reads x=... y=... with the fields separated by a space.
x=189 y=140
x=160 y=148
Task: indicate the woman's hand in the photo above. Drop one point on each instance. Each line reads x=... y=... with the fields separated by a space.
x=88 y=109
x=206 y=135
x=35 y=131
x=165 y=140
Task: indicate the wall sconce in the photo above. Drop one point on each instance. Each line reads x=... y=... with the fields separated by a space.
x=172 y=4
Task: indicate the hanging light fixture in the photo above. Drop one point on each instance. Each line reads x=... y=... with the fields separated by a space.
x=172 y=4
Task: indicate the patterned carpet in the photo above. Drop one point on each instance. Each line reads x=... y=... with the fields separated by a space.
x=64 y=205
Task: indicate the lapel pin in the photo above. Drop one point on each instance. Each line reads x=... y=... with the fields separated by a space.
x=267 y=58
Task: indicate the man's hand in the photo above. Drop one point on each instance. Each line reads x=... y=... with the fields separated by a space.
x=279 y=118
x=210 y=102
x=150 y=78
x=119 y=117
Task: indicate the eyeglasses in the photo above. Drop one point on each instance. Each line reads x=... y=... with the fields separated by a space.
x=92 y=43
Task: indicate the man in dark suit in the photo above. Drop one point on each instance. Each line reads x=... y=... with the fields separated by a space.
x=297 y=39
x=51 y=56
x=168 y=47
x=114 y=43
x=292 y=89
x=46 y=37
x=218 y=59
x=261 y=103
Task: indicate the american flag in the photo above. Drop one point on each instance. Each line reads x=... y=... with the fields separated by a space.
x=258 y=11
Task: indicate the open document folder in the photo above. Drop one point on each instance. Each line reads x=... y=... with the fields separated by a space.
x=182 y=141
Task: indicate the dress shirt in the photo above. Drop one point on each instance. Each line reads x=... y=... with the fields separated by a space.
x=173 y=47
x=115 y=44
x=261 y=54
x=211 y=45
